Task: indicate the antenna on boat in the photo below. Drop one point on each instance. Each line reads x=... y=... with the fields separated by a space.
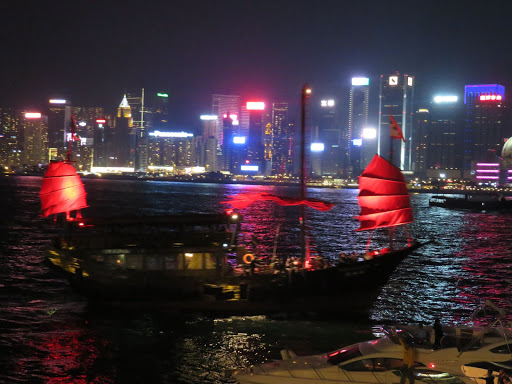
x=305 y=93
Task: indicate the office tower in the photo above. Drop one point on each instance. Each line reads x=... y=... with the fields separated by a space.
x=221 y=105
x=10 y=138
x=281 y=137
x=421 y=123
x=171 y=149
x=357 y=121
x=444 y=150
x=329 y=134
x=255 y=138
x=123 y=137
x=102 y=143
x=35 y=138
x=159 y=109
x=485 y=126
x=85 y=118
x=59 y=120
x=228 y=133
x=207 y=143
x=143 y=118
x=396 y=94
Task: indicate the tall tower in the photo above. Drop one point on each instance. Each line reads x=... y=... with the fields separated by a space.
x=281 y=138
x=255 y=139
x=59 y=120
x=221 y=105
x=124 y=136
x=357 y=121
x=329 y=134
x=35 y=137
x=396 y=94
x=485 y=126
x=10 y=138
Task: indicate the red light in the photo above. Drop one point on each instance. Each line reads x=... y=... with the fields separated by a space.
x=255 y=105
x=229 y=211
x=431 y=365
x=81 y=224
x=247 y=161
x=101 y=121
x=491 y=97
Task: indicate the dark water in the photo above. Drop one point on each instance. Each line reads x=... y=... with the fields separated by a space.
x=48 y=334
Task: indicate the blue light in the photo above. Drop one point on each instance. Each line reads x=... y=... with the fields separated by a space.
x=239 y=140
x=357 y=142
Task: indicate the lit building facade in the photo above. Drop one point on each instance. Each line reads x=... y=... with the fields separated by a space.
x=11 y=139
x=485 y=129
x=281 y=139
x=396 y=94
x=35 y=138
x=123 y=137
x=357 y=121
x=59 y=120
x=256 y=135
x=171 y=149
x=329 y=134
x=222 y=105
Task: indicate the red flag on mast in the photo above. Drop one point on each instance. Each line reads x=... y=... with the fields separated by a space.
x=394 y=129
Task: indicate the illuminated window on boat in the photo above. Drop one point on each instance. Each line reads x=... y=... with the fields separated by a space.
x=428 y=376
x=343 y=355
x=194 y=260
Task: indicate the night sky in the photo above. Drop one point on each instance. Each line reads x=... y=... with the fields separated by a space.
x=91 y=51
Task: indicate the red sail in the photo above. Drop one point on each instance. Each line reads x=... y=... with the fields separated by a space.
x=243 y=200
x=62 y=189
x=383 y=196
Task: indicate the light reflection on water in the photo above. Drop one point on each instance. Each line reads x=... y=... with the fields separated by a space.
x=48 y=335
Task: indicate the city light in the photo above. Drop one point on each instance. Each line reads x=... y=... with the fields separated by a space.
x=393 y=80
x=357 y=142
x=409 y=81
x=208 y=117
x=360 y=81
x=487 y=164
x=446 y=99
x=488 y=177
x=327 y=103
x=369 y=133
x=251 y=168
x=101 y=121
x=232 y=116
x=162 y=94
x=32 y=115
x=255 y=105
x=170 y=134
x=317 y=147
x=57 y=101
x=239 y=140
x=308 y=91
x=82 y=124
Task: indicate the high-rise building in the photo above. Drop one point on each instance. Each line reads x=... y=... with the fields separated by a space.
x=207 y=143
x=221 y=105
x=255 y=138
x=357 y=122
x=35 y=138
x=281 y=137
x=10 y=138
x=329 y=134
x=444 y=138
x=123 y=137
x=59 y=120
x=486 y=128
x=171 y=149
x=102 y=143
x=396 y=94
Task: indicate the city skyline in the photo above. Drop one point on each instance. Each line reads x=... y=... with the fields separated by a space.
x=91 y=53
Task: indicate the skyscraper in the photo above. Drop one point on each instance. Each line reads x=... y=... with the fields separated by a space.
x=255 y=139
x=10 y=138
x=221 y=105
x=281 y=137
x=329 y=134
x=59 y=120
x=357 y=121
x=486 y=125
x=35 y=138
x=124 y=136
x=396 y=94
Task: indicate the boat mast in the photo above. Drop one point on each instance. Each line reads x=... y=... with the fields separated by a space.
x=305 y=93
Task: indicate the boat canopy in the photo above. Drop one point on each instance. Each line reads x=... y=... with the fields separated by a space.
x=62 y=189
x=383 y=196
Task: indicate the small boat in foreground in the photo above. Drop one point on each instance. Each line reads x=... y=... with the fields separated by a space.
x=463 y=356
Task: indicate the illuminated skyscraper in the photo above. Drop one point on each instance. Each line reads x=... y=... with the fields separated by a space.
x=10 y=138
x=59 y=119
x=171 y=149
x=486 y=127
x=221 y=105
x=357 y=121
x=329 y=134
x=281 y=139
x=396 y=96
x=255 y=138
x=124 y=137
x=35 y=138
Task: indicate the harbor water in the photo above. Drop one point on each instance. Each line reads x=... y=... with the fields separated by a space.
x=49 y=335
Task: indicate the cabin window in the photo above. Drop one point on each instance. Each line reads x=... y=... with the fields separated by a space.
x=359 y=366
x=343 y=355
x=503 y=349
